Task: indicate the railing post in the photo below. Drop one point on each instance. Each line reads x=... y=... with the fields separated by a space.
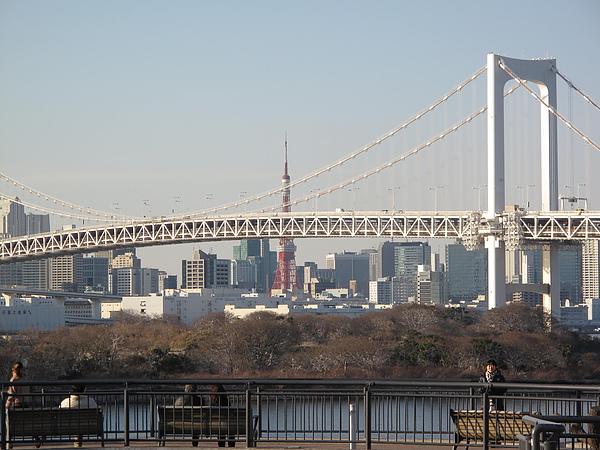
x=3 y=421
x=258 y=416
x=368 y=416
x=126 y=417
x=486 y=420
x=249 y=427
x=152 y=413
x=352 y=425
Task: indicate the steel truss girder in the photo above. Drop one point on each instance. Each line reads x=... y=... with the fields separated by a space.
x=518 y=229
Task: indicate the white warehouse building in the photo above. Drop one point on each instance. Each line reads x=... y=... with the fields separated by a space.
x=190 y=305
x=17 y=314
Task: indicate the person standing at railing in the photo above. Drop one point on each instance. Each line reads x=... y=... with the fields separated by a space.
x=16 y=399
x=493 y=375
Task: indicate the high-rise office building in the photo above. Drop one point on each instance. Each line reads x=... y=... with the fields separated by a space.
x=590 y=269
x=126 y=281
x=95 y=273
x=258 y=269
x=134 y=281
x=35 y=274
x=526 y=267
x=66 y=273
x=166 y=281
x=350 y=266
x=13 y=221
x=149 y=280
x=385 y=260
x=112 y=254
x=316 y=280
x=12 y=224
x=570 y=262
x=244 y=273
x=205 y=271
x=430 y=286
x=407 y=258
x=466 y=273
x=385 y=291
x=126 y=260
x=37 y=223
x=32 y=274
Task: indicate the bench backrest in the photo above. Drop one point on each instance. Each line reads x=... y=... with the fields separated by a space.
x=54 y=421
x=505 y=425
x=208 y=420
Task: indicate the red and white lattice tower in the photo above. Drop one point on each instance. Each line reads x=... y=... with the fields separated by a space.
x=286 y=277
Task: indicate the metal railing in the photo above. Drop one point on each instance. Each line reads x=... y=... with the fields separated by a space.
x=290 y=410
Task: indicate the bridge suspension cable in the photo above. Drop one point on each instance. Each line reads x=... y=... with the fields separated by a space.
x=343 y=160
x=64 y=214
x=392 y=162
x=571 y=85
x=105 y=216
x=550 y=108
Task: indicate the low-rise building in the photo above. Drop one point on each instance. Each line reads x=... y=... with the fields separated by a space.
x=17 y=314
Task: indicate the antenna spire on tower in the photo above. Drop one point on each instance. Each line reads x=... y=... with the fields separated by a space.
x=286 y=277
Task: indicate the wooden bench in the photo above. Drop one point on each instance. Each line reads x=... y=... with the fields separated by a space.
x=224 y=422
x=503 y=426
x=39 y=423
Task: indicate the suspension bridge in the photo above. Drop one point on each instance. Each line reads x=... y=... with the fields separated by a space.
x=495 y=228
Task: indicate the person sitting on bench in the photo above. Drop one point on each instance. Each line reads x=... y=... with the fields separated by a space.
x=77 y=399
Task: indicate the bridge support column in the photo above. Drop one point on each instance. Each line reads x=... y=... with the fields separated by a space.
x=496 y=296
x=96 y=308
x=551 y=277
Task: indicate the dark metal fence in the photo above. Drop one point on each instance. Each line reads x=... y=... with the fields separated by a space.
x=259 y=411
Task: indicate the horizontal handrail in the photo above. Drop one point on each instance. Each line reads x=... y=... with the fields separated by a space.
x=587 y=386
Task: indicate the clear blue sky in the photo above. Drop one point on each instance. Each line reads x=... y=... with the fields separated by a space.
x=106 y=101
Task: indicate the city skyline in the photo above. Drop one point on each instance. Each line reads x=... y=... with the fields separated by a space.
x=140 y=108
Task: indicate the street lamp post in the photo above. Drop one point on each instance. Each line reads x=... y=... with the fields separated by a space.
x=242 y=195
x=353 y=190
x=478 y=189
x=393 y=190
x=579 y=186
x=146 y=203
x=114 y=208
x=522 y=202
x=175 y=200
x=529 y=186
x=316 y=196
x=435 y=197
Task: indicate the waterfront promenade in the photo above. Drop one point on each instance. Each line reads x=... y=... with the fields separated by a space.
x=297 y=414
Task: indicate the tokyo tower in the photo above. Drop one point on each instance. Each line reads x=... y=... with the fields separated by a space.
x=286 y=277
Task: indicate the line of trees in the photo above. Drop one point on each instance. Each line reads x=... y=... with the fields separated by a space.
x=406 y=341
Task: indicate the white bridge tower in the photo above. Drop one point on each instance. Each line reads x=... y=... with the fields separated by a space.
x=543 y=73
